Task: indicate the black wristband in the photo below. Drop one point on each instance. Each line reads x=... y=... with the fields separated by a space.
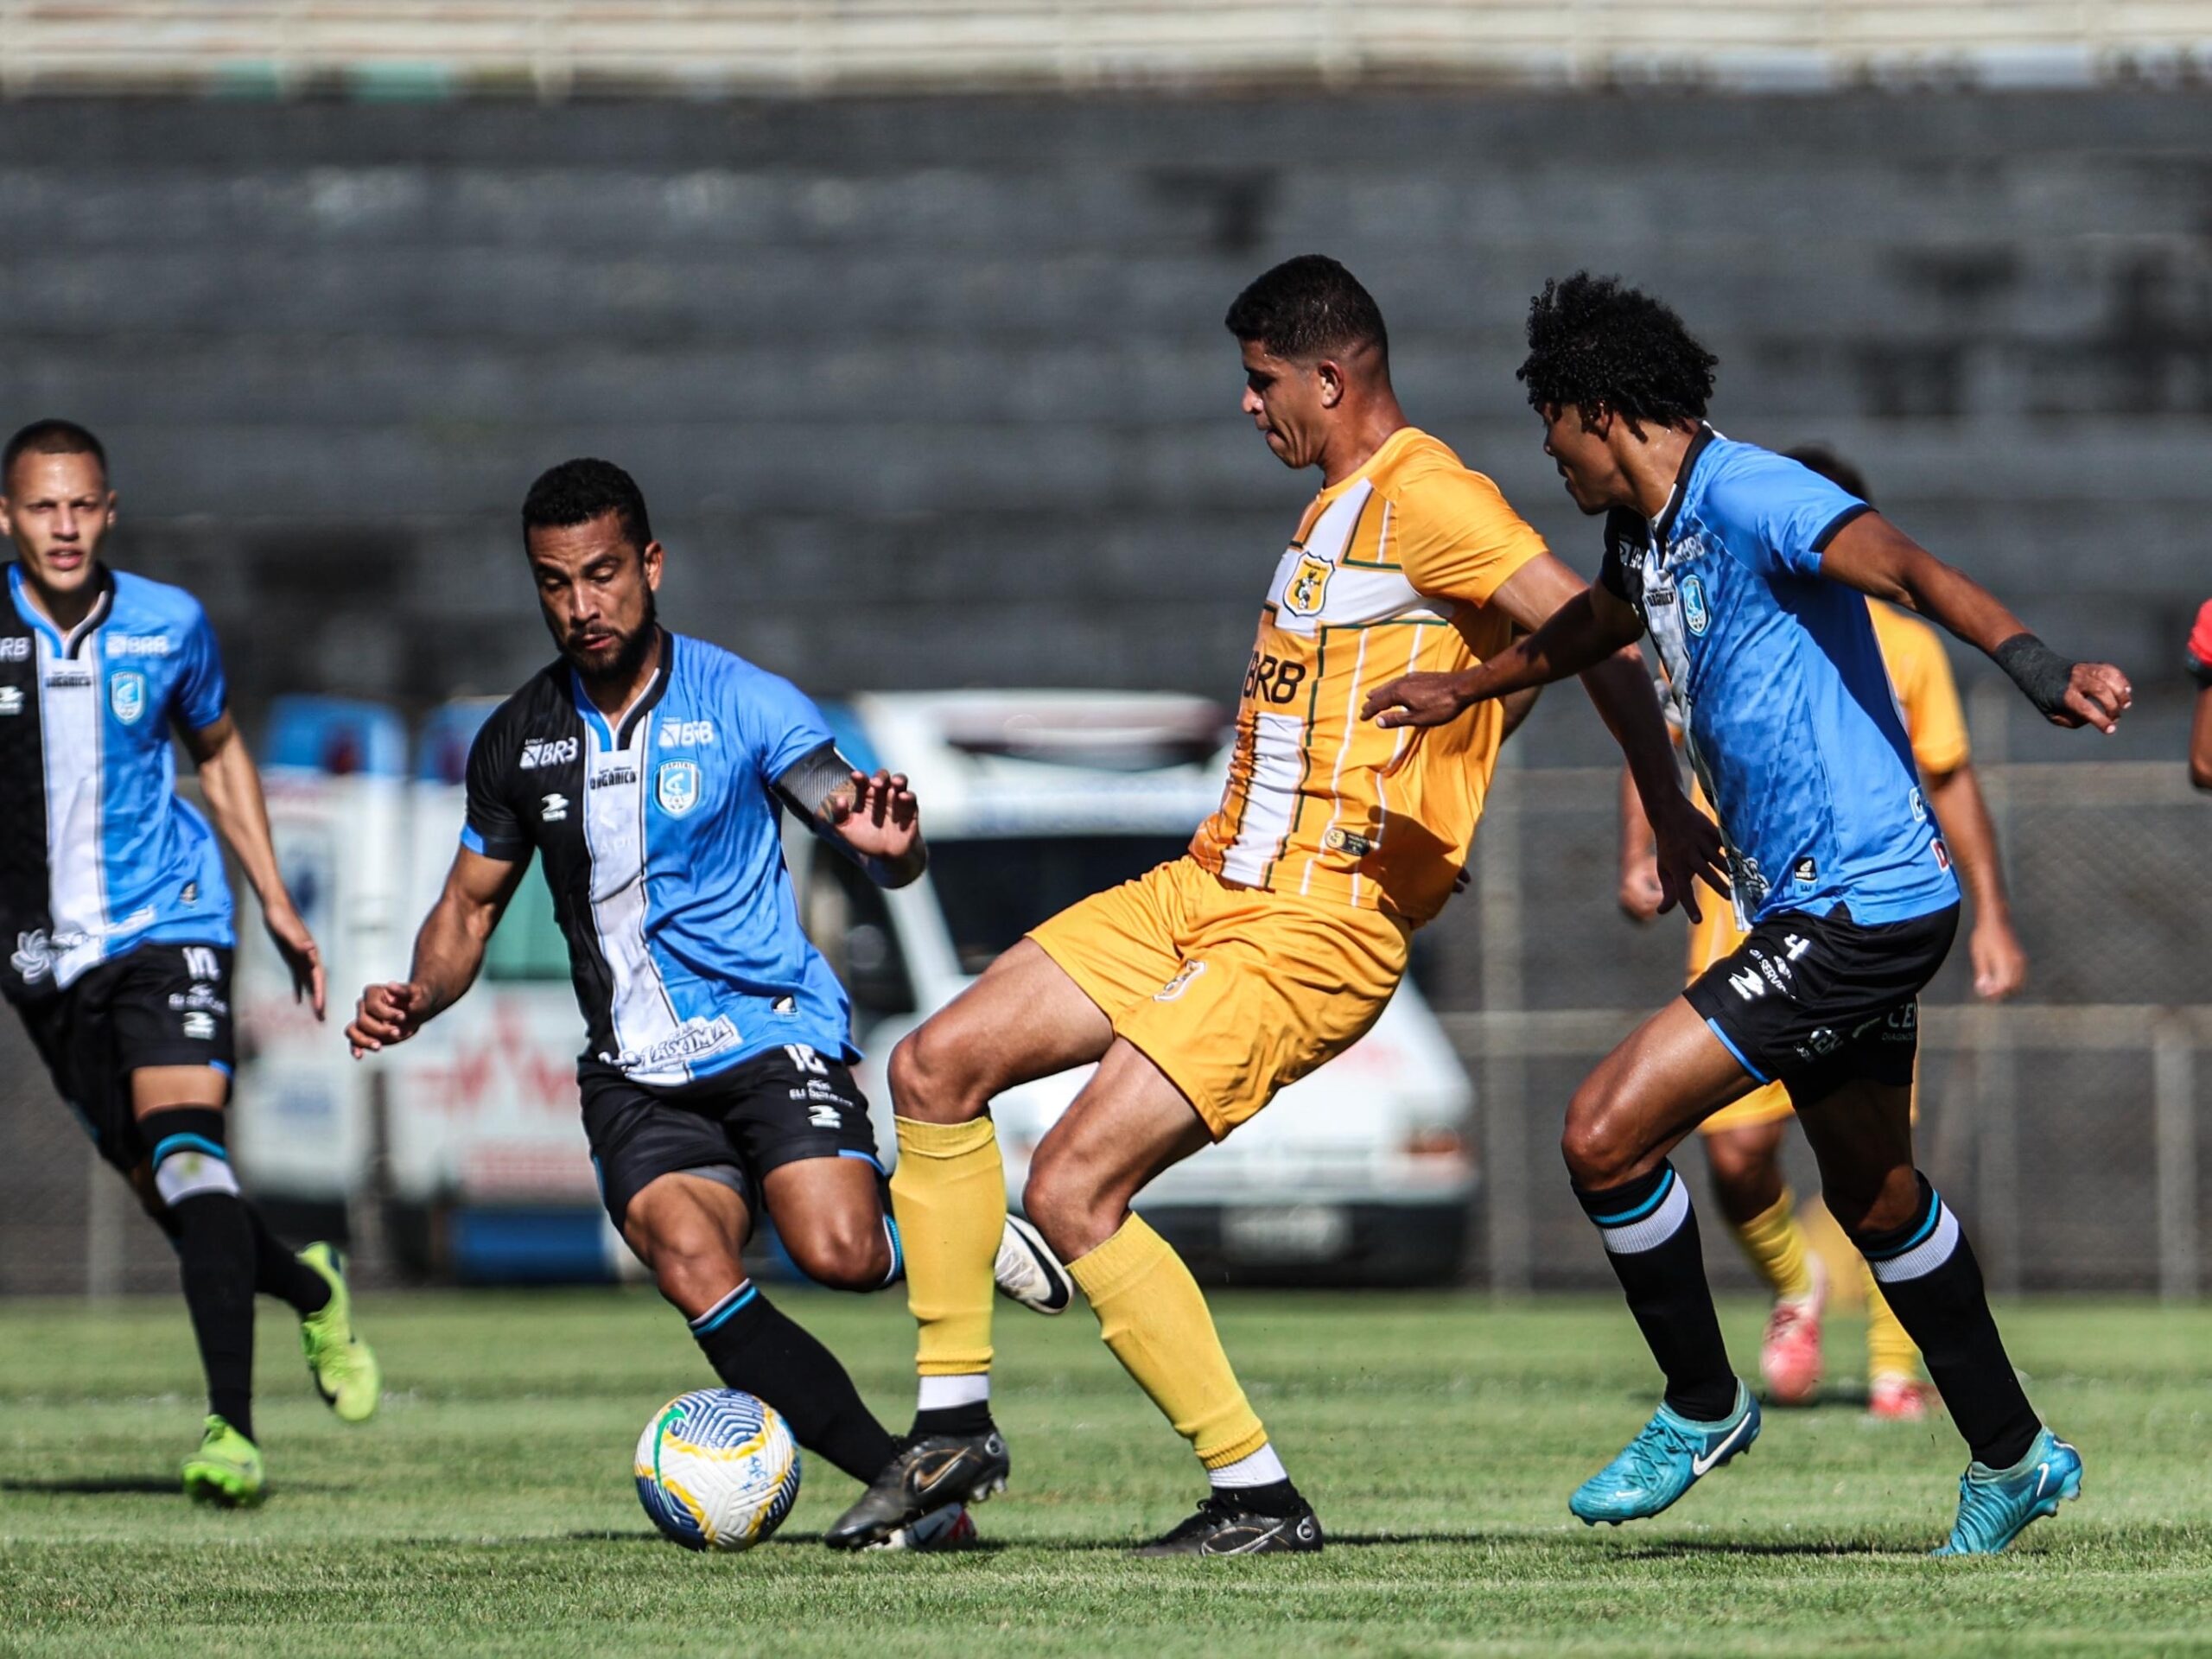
x=2037 y=670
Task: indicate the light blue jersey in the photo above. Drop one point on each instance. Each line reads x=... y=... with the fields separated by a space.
x=661 y=833
x=1791 y=724
x=98 y=855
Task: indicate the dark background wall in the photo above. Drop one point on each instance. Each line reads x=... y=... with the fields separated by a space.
x=935 y=392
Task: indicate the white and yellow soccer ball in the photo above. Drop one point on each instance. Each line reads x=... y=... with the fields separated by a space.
x=717 y=1469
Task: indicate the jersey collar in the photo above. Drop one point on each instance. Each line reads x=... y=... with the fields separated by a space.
x=640 y=706
x=1662 y=528
x=64 y=644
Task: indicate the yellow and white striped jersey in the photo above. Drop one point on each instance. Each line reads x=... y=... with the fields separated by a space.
x=1391 y=571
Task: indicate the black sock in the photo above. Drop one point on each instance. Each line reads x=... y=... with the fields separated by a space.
x=278 y=1272
x=215 y=1248
x=967 y=1420
x=1274 y=1500
x=1650 y=1234
x=753 y=1347
x=1930 y=1279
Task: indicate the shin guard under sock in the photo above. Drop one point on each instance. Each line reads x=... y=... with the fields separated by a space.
x=1933 y=1284
x=755 y=1347
x=1651 y=1239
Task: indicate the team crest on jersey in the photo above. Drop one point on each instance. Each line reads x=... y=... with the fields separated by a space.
x=126 y=696
x=676 y=787
x=1697 y=615
x=1308 y=590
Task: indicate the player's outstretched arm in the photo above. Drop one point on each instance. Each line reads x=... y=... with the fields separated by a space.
x=230 y=784
x=1875 y=556
x=873 y=818
x=1572 y=628
x=2000 y=966
x=448 y=952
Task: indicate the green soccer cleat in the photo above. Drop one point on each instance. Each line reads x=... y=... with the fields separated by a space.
x=344 y=1369
x=1995 y=1505
x=225 y=1469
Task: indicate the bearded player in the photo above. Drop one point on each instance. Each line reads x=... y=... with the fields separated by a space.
x=1750 y=572
x=1202 y=987
x=118 y=916
x=651 y=771
x=1743 y=1140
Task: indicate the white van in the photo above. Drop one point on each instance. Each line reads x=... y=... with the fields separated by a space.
x=1358 y=1174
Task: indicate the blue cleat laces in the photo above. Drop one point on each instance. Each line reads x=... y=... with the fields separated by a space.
x=1664 y=1461
x=1995 y=1505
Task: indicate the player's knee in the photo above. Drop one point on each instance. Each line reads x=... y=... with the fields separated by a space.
x=929 y=1081
x=1598 y=1153
x=844 y=1254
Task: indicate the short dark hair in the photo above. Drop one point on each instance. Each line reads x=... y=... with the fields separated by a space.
x=1821 y=458
x=50 y=437
x=1598 y=343
x=1308 y=308
x=579 y=490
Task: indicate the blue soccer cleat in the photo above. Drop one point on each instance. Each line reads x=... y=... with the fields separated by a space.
x=1664 y=1462
x=1995 y=1505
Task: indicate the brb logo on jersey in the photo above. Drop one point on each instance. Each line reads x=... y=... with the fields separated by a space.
x=677 y=787
x=126 y=696
x=1309 y=585
x=1697 y=614
x=548 y=752
x=686 y=734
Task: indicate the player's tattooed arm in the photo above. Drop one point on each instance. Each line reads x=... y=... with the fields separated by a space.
x=872 y=818
x=1875 y=556
x=448 y=952
x=230 y=787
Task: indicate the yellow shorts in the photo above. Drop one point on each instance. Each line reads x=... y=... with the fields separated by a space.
x=1232 y=992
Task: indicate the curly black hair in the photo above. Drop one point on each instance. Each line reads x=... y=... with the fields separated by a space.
x=577 y=491
x=1595 y=342
x=1308 y=308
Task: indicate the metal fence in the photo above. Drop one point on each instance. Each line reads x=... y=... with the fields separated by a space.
x=2070 y=1129
x=550 y=47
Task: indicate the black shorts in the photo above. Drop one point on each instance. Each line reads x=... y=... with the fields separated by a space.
x=1819 y=1002
x=158 y=1005
x=736 y=1126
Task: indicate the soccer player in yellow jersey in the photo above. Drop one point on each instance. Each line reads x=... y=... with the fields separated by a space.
x=1743 y=1141
x=1204 y=986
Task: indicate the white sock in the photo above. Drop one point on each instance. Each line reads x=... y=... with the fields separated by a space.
x=1262 y=1468
x=944 y=1393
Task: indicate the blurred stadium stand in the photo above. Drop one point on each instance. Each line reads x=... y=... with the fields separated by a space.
x=928 y=389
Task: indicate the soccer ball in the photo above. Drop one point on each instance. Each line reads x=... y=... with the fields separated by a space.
x=717 y=1469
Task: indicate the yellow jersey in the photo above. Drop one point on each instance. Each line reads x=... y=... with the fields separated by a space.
x=1927 y=698
x=1391 y=572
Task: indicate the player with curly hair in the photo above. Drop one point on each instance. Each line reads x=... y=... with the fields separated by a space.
x=1747 y=570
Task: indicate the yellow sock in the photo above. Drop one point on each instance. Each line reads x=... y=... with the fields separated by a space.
x=1155 y=1318
x=949 y=1194
x=1889 y=1352
x=1775 y=1243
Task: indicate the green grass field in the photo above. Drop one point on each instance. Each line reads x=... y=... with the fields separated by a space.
x=488 y=1510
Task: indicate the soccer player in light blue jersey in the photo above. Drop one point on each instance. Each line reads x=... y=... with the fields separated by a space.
x=116 y=916
x=1747 y=571
x=650 y=771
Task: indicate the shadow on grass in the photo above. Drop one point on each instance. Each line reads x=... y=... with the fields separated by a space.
x=98 y=1485
x=1682 y=1547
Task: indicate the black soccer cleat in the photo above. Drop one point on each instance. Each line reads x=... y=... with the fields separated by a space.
x=1224 y=1526
x=931 y=1472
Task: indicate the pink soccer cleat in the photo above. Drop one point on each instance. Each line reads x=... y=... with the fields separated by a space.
x=1899 y=1399
x=1789 y=1355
